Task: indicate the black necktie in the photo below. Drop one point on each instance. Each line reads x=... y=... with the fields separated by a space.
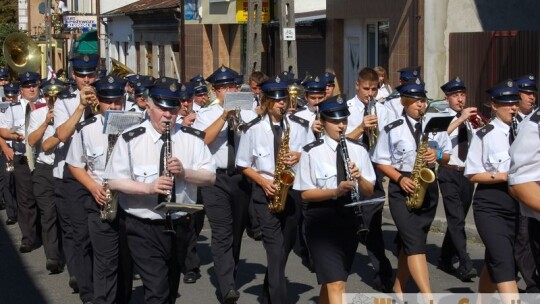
x=276 y=129
x=511 y=136
x=417 y=132
x=365 y=137
x=230 y=152
x=462 y=141
x=340 y=165
x=162 y=165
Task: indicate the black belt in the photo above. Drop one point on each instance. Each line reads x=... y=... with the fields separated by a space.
x=454 y=167
x=224 y=171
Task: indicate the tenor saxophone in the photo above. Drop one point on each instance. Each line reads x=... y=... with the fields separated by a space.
x=107 y=212
x=421 y=176
x=283 y=176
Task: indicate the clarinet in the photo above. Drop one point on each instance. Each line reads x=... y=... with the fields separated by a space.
x=169 y=226
x=514 y=125
x=355 y=195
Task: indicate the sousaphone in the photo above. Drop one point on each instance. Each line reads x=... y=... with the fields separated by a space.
x=22 y=54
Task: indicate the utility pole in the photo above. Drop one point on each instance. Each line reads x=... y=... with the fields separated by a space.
x=287 y=35
x=254 y=37
x=182 y=42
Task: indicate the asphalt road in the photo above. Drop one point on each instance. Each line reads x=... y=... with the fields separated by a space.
x=24 y=279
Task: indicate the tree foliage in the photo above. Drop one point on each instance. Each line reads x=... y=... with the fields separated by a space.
x=8 y=11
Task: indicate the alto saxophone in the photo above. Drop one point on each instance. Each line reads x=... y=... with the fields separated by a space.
x=421 y=176
x=283 y=176
x=107 y=212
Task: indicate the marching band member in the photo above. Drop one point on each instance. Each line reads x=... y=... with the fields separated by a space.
x=87 y=157
x=226 y=202
x=360 y=122
x=200 y=93
x=4 y=80
x=330 y=84
x=136 y=169
x=526 y=260
x=40 y=128
x=385 y=89
x=456 y=189
x=140 y=88
x=13 y=127
x=396 y=157
x=259 y=159
x=330 y=227
x=68 y=112
x=315 y=93
x=495 y=211
x=255 y=80
x=186 y=115
x=11 y=94
x=395 y=108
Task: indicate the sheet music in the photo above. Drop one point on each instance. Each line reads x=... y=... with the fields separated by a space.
x=117 y=121
x=242 y=100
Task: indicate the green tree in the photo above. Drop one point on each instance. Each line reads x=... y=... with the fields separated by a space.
x=5 y=30
x=8 y=11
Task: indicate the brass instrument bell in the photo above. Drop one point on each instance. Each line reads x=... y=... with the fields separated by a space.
x=22 y=54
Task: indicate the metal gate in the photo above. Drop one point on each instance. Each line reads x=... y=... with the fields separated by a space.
x=487 y=58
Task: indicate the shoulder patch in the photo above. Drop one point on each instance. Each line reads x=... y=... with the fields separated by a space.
x=299 y=120
x=535 y=116
x=85 y=123
x=253 y=122
x=313 y=145
x=485 y=130
x=131 y=134
x=196 y=132
x=393 y=124
x=357 y=141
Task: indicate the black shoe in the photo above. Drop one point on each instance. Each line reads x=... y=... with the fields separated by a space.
x=25 y=248
x=55 y=267
x=11 y=221
x=466 y=274
x=73 y=284
x=231 y=297
x=446 y=266
x=191 y=277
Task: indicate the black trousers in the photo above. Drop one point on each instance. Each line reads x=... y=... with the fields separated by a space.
x=226 y=206
x=159 y=256
x=43 y=187
x=7 y=188
x=457 y=192
x=279 y=232
x=193 y=261
x=61 y=199
x=526 y=259
x=27 y=207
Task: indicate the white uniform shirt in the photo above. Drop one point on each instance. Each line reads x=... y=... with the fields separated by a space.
x=63 y=109
x=398 y=147
x=14 y=119
x=89 y=148
x=37 y=118
x=317 y=167
x=454 y=158
x=395 y=109
x=357 y=108
x=139 y=159
x=308 y=113
x=384 y=91
x=206 y=117
x=525 y=157
x=256 y=149
x=490 y=153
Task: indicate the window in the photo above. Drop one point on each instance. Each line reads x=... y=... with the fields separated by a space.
x=377 y=49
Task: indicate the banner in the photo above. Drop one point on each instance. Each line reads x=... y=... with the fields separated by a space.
x=242 y=11
x=80 y=21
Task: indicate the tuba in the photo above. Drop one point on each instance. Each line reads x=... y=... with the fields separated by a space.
x=22 y=54
x=421 y=176
x=108 y=211
x=119 y=69
x=283 y=176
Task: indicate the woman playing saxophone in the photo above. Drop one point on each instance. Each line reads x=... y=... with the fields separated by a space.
x=267 y=152
x=395 y=155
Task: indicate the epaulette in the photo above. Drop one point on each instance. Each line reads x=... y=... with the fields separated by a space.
x=253 y=122
x=131 y=134
x=535 y=116
x=299 y=120
x=485 y=130
x=358 y=142
x=85 y=123
x=393 y=124
x=313 y=145
x=196 y=132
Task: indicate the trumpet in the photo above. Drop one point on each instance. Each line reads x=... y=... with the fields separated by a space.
x=236 y=123
x=373 y=132
x=478 y=120
x=88 y=93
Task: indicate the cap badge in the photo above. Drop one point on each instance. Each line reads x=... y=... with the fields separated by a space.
x=27 y=74
x=71 y=90
x=317 y=79
x=138 y=84
x=531 y=77
x=458 y=79
x=86 y=58
x=339 y=100
x=173 y=88
x=509 y=83
x=415 y=72
x=223 y=69
x=418 y=81
x=163 y=80
x=277 y=79
x=183 y=88
x=53 y=81
x=110 y=79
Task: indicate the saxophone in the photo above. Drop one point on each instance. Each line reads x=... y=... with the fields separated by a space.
x=107 y=212
x=421 y=176
x=283 y=176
